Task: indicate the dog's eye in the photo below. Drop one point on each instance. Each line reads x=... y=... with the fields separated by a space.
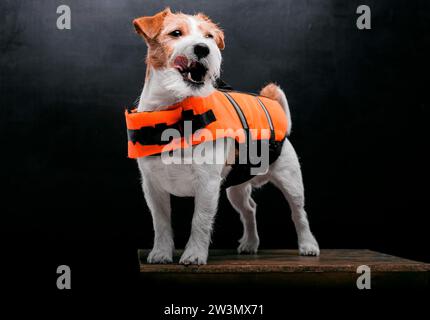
x=209 y=36
x=176 y=33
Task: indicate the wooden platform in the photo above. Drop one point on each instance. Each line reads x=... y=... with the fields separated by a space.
x=333 y=268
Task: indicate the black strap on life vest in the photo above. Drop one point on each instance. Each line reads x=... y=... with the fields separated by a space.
x=151 y=135
x=240 y=173
x=269 y=118
x=238 y=109
x=199 y=121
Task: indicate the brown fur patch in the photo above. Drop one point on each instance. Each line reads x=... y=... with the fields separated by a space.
x=271 y=91
x=161 y=47
x=207 y=27
x=149 y=27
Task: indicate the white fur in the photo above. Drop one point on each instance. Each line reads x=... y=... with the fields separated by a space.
x=202 y=181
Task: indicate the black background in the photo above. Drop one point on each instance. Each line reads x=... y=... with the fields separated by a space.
x=359 y=103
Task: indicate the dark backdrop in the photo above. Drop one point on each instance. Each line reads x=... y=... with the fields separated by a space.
x=359 y=102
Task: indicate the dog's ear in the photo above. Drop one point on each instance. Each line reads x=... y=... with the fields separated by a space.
x=150 y=27
x=219 y=39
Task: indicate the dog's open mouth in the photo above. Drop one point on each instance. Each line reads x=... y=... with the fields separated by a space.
x=193 y=72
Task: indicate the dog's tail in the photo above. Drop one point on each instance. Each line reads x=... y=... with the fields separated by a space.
x=274 y=92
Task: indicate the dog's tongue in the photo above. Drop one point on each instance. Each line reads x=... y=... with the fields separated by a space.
x=181 y=62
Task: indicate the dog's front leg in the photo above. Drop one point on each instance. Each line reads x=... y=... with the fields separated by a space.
x=205 y=207
x=159 y=204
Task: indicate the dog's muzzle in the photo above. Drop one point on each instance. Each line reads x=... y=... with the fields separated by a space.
x=193 y=72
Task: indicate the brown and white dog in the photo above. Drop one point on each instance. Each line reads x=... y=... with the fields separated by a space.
x=183 y=60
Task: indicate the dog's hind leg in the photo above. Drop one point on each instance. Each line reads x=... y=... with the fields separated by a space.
x=286 y=175
x=240 y=198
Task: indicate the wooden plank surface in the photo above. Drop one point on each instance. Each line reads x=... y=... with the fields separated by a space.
x=287 y=261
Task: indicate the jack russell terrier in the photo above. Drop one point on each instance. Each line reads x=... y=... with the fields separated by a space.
x=183 y=62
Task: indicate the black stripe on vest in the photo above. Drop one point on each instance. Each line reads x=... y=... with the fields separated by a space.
x=238 y=111
x=269 y=118
x=151 y=135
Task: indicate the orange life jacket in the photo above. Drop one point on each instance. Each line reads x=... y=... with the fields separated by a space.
x=242 y=113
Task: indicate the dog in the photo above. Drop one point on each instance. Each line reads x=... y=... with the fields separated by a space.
x=184 y=60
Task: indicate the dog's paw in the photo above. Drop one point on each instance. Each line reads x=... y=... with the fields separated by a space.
x=248 y=245
x=194 y=255
x=309 y=248
x=160 y=256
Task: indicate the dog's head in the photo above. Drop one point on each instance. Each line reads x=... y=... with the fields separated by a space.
x=184 y=50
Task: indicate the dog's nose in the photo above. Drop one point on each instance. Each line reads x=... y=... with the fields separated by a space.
x=201 y=50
